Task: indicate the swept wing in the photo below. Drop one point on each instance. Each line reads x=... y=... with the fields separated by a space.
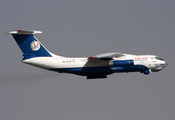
x=106 y=56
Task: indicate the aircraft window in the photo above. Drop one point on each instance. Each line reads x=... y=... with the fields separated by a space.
x=158 y=58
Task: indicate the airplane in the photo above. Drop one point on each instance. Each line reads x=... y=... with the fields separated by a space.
x=95 y=67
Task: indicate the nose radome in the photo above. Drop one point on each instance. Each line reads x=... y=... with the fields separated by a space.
x=166 y=63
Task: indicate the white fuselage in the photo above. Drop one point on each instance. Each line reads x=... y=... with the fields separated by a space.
x=58 y=63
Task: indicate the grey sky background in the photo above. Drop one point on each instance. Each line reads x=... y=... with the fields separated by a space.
x=84 y=28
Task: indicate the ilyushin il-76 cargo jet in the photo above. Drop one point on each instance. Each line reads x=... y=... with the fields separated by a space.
x=99 y=66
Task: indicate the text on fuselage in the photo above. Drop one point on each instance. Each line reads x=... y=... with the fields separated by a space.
x=141 y=58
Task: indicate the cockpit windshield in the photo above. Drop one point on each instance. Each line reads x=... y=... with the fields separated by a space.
x=158 y=58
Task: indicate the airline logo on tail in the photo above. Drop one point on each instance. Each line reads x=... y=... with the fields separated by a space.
x=35 y=46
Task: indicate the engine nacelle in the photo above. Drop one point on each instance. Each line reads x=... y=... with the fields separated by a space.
x=121 y=63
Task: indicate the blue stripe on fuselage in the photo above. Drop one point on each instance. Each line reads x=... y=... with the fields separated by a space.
x=108 y=70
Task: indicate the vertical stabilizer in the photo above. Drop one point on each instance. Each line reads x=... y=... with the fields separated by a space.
x=29 y=45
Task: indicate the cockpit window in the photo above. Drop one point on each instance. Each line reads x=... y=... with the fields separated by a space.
x=158 y=58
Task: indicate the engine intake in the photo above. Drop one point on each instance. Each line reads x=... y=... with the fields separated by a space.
x=121 y=63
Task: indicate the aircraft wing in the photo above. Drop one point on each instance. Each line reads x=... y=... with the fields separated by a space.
x=105 y=56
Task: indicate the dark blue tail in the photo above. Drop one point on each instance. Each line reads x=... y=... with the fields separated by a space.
x=29 y=44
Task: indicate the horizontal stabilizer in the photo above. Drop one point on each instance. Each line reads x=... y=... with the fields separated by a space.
x=29 y=32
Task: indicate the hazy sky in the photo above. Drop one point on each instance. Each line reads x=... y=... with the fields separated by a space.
x=83 y=28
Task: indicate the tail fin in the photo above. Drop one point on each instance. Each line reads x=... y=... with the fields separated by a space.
x=29 y=45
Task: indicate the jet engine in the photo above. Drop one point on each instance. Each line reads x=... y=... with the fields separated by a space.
x=121 y=63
